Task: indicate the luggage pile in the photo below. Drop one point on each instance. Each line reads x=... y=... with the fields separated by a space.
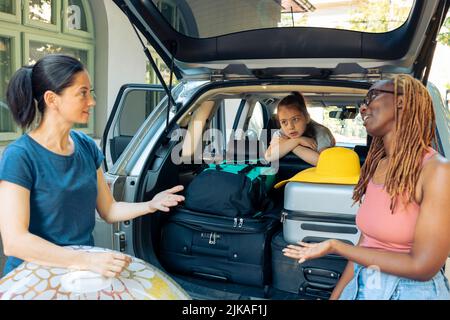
x=222 y=232
x=226 y=230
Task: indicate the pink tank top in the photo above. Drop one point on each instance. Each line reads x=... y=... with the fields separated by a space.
x=382 y=229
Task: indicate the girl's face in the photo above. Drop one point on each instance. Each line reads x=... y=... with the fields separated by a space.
x=76 y=101
x=293 y=122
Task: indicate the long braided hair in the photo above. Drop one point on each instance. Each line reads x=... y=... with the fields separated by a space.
x=414 y=134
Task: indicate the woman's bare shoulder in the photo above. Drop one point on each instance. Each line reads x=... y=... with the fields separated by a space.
x=436 y=170
x=437 y=162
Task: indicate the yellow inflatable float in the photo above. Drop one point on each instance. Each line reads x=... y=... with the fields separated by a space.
x=139 y=281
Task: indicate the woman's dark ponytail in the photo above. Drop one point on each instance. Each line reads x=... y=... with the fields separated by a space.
x=19 y=97
x=26 y=89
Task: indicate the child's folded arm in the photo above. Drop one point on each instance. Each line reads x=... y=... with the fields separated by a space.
x=308 y=142
x=307 y=155
x=279 y=147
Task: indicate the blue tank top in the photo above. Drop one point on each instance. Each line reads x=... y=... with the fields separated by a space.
x=63 y=189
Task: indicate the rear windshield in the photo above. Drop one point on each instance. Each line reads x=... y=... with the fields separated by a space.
x=211 y=18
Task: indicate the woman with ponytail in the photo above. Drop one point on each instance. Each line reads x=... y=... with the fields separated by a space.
x=404 y=217
x=299 y=133
x=51 y=181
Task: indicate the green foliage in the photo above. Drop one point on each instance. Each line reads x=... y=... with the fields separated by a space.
x=444 y=35
x=379 y=16
x=41 y=10
x=300 y=20
x=386 y=15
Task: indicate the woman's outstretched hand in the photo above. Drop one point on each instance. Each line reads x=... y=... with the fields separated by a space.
x=166 y=199
x=306 y=251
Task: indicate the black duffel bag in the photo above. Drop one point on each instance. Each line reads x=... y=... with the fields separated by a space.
x=229 y=190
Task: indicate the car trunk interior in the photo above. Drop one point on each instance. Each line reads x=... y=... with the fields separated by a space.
x=208 y=112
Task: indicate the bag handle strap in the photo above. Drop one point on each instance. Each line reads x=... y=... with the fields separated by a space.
x=247 y=169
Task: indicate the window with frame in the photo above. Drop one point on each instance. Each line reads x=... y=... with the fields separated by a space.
x=347 y=132
x=6 y=6
x=38 y=28
x=174 y=13
x=256 y=122
x=6 y=52
x=221 y=128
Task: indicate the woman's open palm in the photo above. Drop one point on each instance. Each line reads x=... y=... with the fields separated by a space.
x=306 y=251
x=166 y=199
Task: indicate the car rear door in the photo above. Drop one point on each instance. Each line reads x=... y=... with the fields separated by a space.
x=133 y=105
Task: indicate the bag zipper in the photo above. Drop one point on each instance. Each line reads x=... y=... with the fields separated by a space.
x=241 y=223
x=212 y=238
x=284 y=214
x=237 y=223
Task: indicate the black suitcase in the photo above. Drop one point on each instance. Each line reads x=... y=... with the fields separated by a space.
x=314 y=278
x=220 y=248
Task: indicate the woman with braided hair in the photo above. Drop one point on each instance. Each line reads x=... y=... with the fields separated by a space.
x=403 y=190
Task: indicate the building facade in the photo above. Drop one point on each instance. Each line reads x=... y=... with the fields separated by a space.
x=96 y=32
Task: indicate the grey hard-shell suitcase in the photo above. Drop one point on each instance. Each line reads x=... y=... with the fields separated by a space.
x=316 y=212
x=312 y=279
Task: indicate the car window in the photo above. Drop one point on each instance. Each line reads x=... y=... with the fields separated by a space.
x=220 y=129
x=230 y=112
x=138 y=104
x=256 y=122
x=206 y=18
x=348 y=132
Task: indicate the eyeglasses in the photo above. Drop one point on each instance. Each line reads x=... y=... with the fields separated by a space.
x=371 y=95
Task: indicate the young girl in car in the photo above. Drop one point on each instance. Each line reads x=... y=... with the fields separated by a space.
x=299 y=133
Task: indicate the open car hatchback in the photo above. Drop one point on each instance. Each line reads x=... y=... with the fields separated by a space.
x=234 y=61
